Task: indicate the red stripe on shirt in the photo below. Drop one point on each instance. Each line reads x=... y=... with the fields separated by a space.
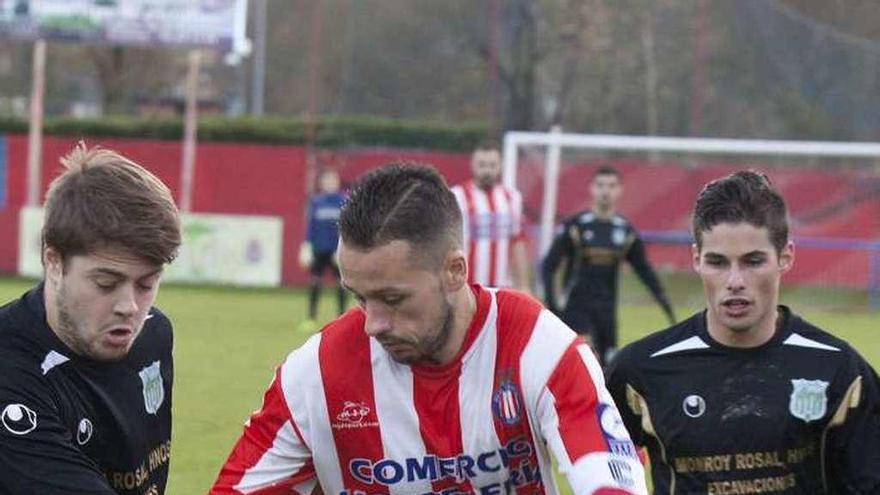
x=435 y=396
x=576 y=402
x=258 y=437
x=493 y=239
x=517 y=232
x=472 y=243
x=347 y=375
x=517 y=315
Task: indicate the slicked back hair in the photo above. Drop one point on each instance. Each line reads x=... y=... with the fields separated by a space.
x=406 y=202
x=742 y=197
x=104 y=200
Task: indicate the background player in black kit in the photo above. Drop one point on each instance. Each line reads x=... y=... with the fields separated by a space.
x=589 y=248
x=85 y=360
x=747 y=397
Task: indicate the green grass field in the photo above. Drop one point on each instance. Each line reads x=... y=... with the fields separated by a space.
x=229 y=341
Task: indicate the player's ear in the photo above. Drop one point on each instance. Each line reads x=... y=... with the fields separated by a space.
x=53 y=264
x=455 y=270
x=786 y=257
x=695 y=256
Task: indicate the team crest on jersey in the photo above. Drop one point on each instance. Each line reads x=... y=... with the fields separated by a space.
x=809 y=400
x=154 y=389
x=506 y=403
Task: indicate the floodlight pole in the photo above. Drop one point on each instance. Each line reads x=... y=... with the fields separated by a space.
x=258 y=83
x=35 y=128
x=190 y=124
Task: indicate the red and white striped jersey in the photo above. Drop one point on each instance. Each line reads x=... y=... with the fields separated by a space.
x=344 y=418
x=492 y=222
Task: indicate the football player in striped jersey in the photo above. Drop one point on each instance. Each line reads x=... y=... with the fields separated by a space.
x=431 y=385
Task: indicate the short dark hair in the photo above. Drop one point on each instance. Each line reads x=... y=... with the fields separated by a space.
x=606 y=170
x=744 y=196
x=402 y=201
x=488 y=144
x=103 y=199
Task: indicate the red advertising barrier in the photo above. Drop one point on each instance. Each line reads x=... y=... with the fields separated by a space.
x=230 y=178
x=237 y=178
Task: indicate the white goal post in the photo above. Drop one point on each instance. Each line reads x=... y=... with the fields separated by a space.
x=555 y=140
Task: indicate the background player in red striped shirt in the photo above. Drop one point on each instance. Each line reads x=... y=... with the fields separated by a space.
x=431 y=385
x=494 y=239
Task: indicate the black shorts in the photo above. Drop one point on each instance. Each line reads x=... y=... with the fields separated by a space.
x=323 y=260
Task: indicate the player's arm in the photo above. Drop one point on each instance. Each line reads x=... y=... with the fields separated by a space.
x=520 y=266
x=306 y=253
x=520 y=261
x=582 y=427
x=854 y=437
x=270 y=458
x=622 y=388
x=560 y=249
x=37 y=454
x=637 y=258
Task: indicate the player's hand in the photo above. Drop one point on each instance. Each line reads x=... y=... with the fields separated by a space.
x=306 y=256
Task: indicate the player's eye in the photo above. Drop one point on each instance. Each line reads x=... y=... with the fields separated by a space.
x=755 y=260
x=393 y=300
x=105 y=285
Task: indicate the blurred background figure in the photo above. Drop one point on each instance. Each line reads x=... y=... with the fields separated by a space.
x=590 y=247
x=317 y=253
x=494 y=239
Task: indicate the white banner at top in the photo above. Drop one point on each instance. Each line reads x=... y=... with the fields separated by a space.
x=218 y=24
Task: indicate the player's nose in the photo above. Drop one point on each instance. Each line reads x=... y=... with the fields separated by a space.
x=735 y=279
x=378 y=319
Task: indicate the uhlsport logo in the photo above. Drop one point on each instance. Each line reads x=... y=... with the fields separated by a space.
x=18 y=419
x=84 y=431
x=694 y=406
x=506 y=404
x=154 y=389
x=353 y=415
x=809 y=400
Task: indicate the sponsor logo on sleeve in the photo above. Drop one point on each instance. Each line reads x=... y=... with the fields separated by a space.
x=809 y=400
x=615 y=432
x=154 y=389
x=18 y=419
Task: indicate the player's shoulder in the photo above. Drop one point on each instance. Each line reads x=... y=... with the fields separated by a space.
x=515 y=305
x=681 y=337
x=338 y=340
x=583 y=217
x=156 y=339
x=621 y=221
x=807 y=337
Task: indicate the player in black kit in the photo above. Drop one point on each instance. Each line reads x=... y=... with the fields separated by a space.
x=85 y=360
x=590 y=247
x=745 y=396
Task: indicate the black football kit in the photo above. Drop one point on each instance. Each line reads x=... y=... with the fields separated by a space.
x=590 y=250
x=71 y=425
x=797 y=415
